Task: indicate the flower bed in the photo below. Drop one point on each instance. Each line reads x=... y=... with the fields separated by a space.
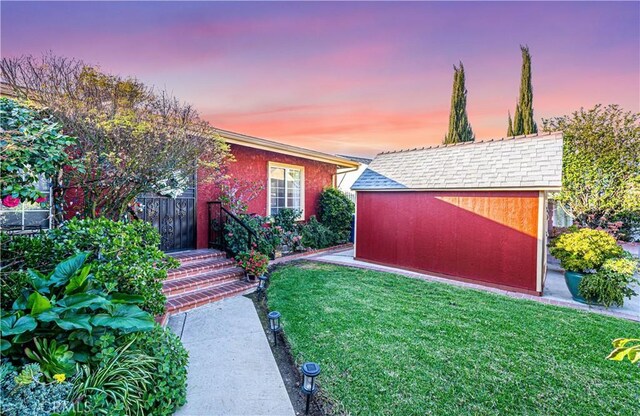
x=78 y=331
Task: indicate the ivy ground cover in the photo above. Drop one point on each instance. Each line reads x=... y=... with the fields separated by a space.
x=391 y=345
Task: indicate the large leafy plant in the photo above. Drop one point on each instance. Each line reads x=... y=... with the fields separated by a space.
x=33 y=146
x=585 y=250
x=68 y=306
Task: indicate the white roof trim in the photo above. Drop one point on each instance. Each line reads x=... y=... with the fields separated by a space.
x=269 y=145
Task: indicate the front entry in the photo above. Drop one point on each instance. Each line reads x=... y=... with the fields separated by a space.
x=174 y=218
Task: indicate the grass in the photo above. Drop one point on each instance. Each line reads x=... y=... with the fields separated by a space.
x=391 y=345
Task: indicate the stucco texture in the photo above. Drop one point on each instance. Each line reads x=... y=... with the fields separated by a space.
x=252 y=165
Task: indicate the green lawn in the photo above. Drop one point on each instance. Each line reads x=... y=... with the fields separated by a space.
x=389 y=344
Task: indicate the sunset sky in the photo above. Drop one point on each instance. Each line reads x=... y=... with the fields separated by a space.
x=355 y=78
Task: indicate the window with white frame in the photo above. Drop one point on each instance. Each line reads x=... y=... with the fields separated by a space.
x=28 y=215
x=286 y=187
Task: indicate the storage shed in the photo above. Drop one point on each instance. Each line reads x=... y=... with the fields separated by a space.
x=473 y=212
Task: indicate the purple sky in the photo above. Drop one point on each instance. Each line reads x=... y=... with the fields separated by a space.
x=348 y=77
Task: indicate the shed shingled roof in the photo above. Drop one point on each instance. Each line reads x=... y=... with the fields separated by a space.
x=522 y=162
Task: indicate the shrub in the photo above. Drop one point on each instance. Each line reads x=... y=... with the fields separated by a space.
x=316 y=235
x=611 y=283
x=336 y=213
x=169 y=377
x=67 y=306
x=630 y=228
x=117 y=386
x=584 y=250
x=33 y=146
x=126 y=255
x=236 y=236
x=253 y=262
x=287 y=218
x=23 y=393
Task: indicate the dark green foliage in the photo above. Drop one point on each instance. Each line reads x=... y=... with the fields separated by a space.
x=393 y=345
x=316 y=235
x=612 y=282
x=510 y=126
x=31 y=396
x=11 y=284
x=600 y=175
x=32 y=145
x=126 y=256
x=236 y=236
x=523 y=122
x=169 y=377
x=60 y=317
x=336 y=213
x=118 y=385
x=459 y=127
x=287 y=218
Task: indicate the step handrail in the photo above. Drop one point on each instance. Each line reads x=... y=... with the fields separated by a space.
x=250 y=233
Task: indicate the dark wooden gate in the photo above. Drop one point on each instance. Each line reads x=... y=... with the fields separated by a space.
x=174 y=218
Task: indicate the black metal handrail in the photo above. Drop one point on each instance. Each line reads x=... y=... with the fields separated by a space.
x=216 y=226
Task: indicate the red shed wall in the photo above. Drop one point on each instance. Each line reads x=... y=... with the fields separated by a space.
x=252 y=164
x=490 y=237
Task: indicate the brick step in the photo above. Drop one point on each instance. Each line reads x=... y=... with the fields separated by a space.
x=198 y=267
x=189 y=256
x=190 y=300
x=190 y=283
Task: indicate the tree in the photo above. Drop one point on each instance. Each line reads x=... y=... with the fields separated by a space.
x=459 y=127
x=510 y=126
x=523 y=122
x=131 y=138
x=601 y=163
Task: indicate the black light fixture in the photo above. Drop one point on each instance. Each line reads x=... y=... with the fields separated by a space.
x=274 y=325
x=262 y=285
x=309 y=373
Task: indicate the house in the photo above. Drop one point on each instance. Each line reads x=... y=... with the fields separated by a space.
x=347 y=178
x=291 y=177
x=474 y=212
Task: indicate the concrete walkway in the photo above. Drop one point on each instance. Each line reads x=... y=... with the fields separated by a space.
x=231 y=368
x=555 y=293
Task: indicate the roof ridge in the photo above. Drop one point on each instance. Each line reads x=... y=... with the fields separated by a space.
x=445 y=145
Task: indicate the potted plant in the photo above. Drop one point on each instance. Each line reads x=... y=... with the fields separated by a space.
x=254 y=264
x=612 y=282
x=584 y=252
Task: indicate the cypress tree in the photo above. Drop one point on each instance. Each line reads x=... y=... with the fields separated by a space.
x=510 y=126
x=523 y=122
x=459 y=127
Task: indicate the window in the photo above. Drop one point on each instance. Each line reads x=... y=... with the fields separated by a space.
x=286 y=187
x=27 y=216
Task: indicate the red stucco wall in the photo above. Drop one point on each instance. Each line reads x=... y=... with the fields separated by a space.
x=489 y=237
x=252 y=164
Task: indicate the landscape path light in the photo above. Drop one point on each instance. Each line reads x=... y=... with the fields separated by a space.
x=274 y=325
x=262 y=285
x=309 y=373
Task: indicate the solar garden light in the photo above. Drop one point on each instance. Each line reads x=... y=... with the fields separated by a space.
x=262 y=285
x=274 y=325
x=309 y=373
